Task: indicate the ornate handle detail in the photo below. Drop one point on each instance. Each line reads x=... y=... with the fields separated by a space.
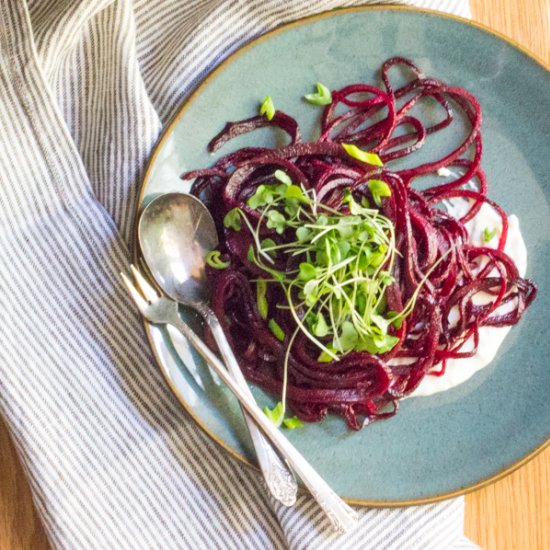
x=279 y=479
x=341 y=516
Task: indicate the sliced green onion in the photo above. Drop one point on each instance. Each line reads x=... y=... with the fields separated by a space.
x=292 y=423
x=267 y=108
x=276 y=330
x=489 y=234
x=379 y=189
x=232 y=219
x=322 y=97
x=213 y=259
x=276 y=414
x=363 y=156
x=325 y=357
x=261 y=300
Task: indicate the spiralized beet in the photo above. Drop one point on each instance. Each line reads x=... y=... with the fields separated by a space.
x=434 y=257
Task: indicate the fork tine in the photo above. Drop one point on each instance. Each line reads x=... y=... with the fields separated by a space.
x=136 y=296
x=148 y=291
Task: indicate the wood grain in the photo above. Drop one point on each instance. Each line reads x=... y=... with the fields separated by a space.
x=513 y=513
x=20 y=528
x=527 y=22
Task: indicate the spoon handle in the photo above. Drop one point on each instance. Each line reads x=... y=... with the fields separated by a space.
x=341 y=516
x=278 y=477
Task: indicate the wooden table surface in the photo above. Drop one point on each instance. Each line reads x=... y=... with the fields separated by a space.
x=513 y=513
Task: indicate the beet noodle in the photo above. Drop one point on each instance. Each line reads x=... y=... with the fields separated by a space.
x=363 y=387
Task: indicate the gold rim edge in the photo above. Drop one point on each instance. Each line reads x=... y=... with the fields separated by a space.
x=176 y=118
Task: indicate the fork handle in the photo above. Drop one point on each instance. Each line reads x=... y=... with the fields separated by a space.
x=279 y=479
x=341 y=516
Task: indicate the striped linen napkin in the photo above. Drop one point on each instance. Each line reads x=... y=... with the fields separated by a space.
x=113 y=460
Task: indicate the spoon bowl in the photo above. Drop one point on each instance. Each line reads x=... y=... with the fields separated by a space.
x=176 y=231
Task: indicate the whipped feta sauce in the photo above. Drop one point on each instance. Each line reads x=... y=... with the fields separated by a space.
x=490 y=338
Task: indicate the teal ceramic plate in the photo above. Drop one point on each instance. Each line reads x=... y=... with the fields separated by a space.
x=438 y=446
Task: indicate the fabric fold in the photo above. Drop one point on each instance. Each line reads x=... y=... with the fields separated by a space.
x=112 y=458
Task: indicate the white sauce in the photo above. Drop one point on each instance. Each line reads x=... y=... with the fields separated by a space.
x=490 y=338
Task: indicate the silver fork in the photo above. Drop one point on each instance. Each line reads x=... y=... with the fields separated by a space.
x=278 y=477
x=161 y=310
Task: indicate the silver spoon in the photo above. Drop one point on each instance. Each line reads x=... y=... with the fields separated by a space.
x=176 y=231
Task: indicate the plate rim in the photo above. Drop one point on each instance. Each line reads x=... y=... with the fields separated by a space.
x=489 y=480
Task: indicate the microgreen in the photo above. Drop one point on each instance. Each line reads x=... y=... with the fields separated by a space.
x=363 y=156
x=276 y=220
x=269 y=246
x=319 y=326
x=294 y=192
x=213 y=259
x=488 y=234
x=344 y=266
x=322 y=97
x=396 y=319
x=302 y=233
x=283 y=177
x=348 y=337
x=307 y=271
x=377 y=344
x=343 y=263
x=267 y=108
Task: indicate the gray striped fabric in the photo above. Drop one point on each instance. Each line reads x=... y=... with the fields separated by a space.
x=85 y=87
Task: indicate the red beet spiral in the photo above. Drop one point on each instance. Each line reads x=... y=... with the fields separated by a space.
x=362 y=387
